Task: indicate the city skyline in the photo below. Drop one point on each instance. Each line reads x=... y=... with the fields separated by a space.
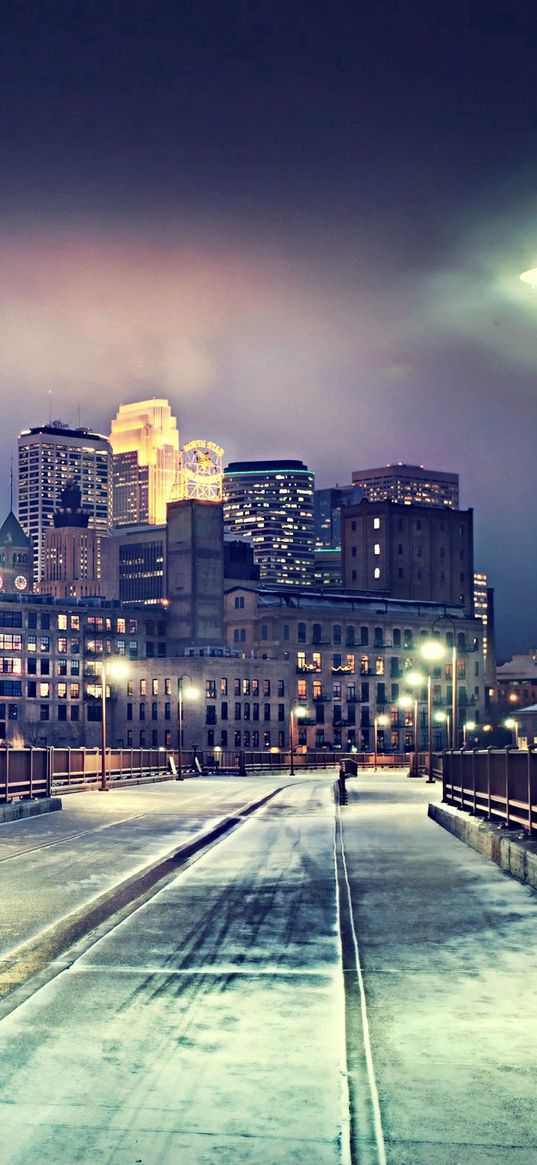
x=306 y=224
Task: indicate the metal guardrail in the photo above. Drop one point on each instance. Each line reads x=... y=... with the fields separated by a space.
x=498 y=784
x=38 y=772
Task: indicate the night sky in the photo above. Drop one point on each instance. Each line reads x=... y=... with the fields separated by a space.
x=304 y=224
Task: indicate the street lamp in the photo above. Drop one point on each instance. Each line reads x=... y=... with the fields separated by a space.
x=513 y=725
x=416 y=680
x=296 y=713
x=382 y=721
x=407 y=701
x=468 y=726
x=454 y=678
x=443 y=718
x=188 y=693
x=432 y=651
x=113 y=669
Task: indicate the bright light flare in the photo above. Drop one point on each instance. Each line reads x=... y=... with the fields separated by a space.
x=530 y=277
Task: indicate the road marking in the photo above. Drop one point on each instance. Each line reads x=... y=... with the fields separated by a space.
x=366 y=1036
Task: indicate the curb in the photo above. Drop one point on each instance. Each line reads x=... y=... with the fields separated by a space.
x=511 y=850
x=16 y=810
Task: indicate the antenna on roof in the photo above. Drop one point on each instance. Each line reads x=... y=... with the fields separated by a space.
x=11 y=485
x=50 y=406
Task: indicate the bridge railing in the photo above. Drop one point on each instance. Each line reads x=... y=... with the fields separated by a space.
x=38 y=772
x=498 y=784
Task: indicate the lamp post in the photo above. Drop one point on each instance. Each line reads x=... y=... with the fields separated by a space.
x=513 y=725
x=416 y=680
x=190 y=693
x=382 y=721
x=432 y=651
x=296 y=713
x=454 y=679
x=443 y=718
x=468 y=726
x=115 y=668
x=407 y=701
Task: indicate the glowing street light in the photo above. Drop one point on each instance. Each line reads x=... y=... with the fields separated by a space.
x=432 y=651
x=110 y=669
x=513 y=725
x=382 y=721
x=468 y=726
x=296 y=713
x=188 y=693
x=443 y=718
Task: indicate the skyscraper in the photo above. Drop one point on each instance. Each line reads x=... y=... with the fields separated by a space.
x=70 y=566
x=49 y=457
x=146 y=462
x=270 y=503
x=409 y=484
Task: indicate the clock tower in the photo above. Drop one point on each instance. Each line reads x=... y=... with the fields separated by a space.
x=16 y=558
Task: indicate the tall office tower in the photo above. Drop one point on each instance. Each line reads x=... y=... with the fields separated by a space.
x=409 y=484
x=70 y=567
x=146 y=462
x=270 y=503
x=484 y=610
x=49 y=457
x=327 y=504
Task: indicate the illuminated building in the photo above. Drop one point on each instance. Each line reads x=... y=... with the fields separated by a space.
x=327 y=503
x=409 y=484
x=270 y=503
x=15 y=558
x=70 y=569
x=146 y=462
x=409 y=552
x=49 y=456
x=201 y=472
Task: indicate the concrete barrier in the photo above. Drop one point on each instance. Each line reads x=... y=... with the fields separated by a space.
x=511 y=850
x=16 y=810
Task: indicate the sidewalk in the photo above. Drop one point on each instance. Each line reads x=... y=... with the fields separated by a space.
x=448 y=950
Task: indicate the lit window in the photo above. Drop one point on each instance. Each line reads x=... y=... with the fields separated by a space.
x=376 y=523
x=376 y=572
x=377 y=548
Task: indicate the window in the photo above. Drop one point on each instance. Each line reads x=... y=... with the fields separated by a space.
x=223 y=738
x=302 y=688
x=210 y=689
x=143 y=687
x=376 y=548
x=129 y=711
x=142 y=710
x=281 y=711
x=154 y=710
x=264 y=631
x=167 y=686
x=154 y=687
x=336 y=633
x=376 y=572
x=210 y=714
x=223 y=686
x=239 y=602
x=316 y=633
x=44 y=689
x=246 y=687
x=44 y=712
x=336 y=690
x=266 y=687
x=236 y=686
x=75 y=712
x=364 y=665
x=266 y=711
x=255 y=687
x=353 y=551
x=167 y=710
x=62 y=712
x=224 y=710
x=62 y=622
x=301 y=633
x=281 y=687
x=379 y=666
x=62 y=691
x=246 y=710
x=376 y=523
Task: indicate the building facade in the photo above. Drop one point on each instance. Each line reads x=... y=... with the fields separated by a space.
x=146 y=462
x=50 y=655
x=420 y=553
x=49 y=456
x=71 y=559
x=270 y=504
x=409 y=485
x=349 y=655
x=16 y=558
x=327 y=506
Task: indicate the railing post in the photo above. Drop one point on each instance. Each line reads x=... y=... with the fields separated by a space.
x=49 y=754
x=507 y=787
x=530 y=791
x=488 y=783
x=473 y=782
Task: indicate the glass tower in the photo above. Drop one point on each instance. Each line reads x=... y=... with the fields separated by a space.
x=270 y=505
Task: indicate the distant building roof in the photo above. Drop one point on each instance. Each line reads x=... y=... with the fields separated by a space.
x=12 y=532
